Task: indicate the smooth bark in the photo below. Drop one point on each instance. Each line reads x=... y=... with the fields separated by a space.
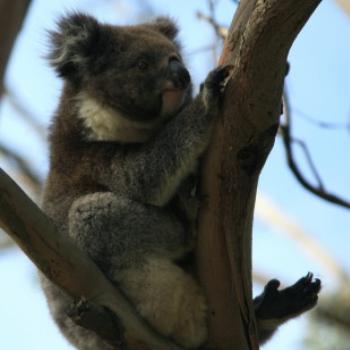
x=257 y=45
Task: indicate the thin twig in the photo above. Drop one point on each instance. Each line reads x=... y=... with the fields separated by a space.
x=320 y=123
x=202 y=49
x=345 y=5
x=309 y=159
x=288 y=141
x=24 y=112
x=221 y=31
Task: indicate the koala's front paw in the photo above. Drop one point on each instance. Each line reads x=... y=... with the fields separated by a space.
x=214 y=85
x=289 y=302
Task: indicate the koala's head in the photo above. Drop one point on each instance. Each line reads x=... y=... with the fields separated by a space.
x=128 y=79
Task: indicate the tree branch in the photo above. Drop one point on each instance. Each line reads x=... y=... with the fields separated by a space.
x=69 y=268
x=257 y=45
x=12 y=14
x=32 y=179
x=345 y=5
x=220 y=31
x=24 y=112
x=319 y=190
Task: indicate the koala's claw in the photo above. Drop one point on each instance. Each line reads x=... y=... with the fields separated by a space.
x=214 y=85
x=218 y=78
x=288 y=302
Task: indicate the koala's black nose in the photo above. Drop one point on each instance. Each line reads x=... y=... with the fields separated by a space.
x=178 y=74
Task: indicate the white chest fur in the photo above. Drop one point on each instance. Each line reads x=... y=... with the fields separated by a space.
x=106 y=124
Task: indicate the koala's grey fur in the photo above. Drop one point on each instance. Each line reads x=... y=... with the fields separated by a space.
x=125 y=142
x=124 y=152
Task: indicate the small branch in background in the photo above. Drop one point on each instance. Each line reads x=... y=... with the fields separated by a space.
x=320 y=123
x=310 y=161
x=220 y=31
x=328 y=314
x=27 y=116
x=5 y=242
x=260 y=277
x=202 y=49
x=335 y=309
x=26 y=172
x=345 y=5
x=288 y=141
x=273 y=216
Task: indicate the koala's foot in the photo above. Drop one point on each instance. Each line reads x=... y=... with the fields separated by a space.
x=169 y=299
x=274 y=307
x=214 y=85
x=289 y=302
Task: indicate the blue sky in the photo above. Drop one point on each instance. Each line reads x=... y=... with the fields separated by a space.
x=318 y=83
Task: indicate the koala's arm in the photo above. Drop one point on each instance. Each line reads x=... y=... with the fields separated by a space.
x=152 y=172
x=158 y=169
x=164 y=162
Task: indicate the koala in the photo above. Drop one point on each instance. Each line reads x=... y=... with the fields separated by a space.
x=125 y=144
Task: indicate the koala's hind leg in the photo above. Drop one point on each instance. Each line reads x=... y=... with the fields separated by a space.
x=170 y=299
x=135 y=245
x=119 y=233
x=274 y=307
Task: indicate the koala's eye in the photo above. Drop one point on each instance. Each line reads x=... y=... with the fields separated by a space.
x=142 y=65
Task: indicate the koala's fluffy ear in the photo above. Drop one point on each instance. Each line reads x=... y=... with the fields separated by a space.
x=75 y=43
x=166 y=26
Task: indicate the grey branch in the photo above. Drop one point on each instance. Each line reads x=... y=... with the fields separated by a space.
x=220 y=31
x=23 y=111
x=68 y=267
x=31 y=178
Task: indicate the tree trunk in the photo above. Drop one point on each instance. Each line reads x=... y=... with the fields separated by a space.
x=257 y=45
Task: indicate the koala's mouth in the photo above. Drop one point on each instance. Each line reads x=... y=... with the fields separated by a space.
x=172 y=99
